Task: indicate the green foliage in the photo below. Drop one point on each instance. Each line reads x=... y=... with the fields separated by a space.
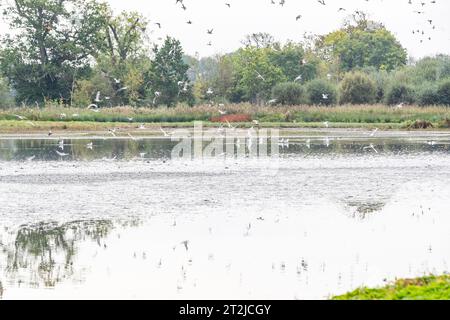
x=357 y=88
x=290 y=59
x=321 y=92
x=6 y=98
x=254 y=74
x=168 y=79
x=366 y=44
x=426 y=288
x=400 y=93
x=123 y=60
x=53 y=42
x=443 y=92
x=427 y=95
x=288 y=93
x=314 y=116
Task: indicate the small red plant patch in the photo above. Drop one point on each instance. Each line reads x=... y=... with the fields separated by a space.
x=233 y=118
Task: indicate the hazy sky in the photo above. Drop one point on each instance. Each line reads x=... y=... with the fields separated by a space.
x=248 y=16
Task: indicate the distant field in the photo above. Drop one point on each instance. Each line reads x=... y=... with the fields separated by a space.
x=32 y=119
x=426 y=288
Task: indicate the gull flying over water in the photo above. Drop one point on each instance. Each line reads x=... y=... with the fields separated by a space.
x=372 y=147
x=61 y=154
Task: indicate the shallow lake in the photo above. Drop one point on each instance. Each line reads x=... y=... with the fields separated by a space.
x=331 y=210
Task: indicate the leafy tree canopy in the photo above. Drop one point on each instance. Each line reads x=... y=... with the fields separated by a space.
x=53 y=43
x=362 y=43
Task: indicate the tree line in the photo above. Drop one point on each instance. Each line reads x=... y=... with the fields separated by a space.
x=79 y=53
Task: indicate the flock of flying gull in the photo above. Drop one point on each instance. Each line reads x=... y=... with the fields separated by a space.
x=94 y=107
x=419 y=9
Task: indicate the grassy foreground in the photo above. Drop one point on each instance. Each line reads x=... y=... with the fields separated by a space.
x=426 y=288
x=76 y=119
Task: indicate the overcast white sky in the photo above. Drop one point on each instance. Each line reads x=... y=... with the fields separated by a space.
x=248 y=16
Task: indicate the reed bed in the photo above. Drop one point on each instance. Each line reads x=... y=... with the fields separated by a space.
x=367 y=114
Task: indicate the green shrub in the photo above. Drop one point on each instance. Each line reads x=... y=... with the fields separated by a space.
x=399 y=93
x=321 y=92
x=357 y=88
x=427 y=95
x=6 y=98
x=288 y=93
x=444 y=92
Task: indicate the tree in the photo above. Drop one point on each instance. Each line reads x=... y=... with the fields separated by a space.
x=288 y=93
x=254 y=74
x=292 y=60
x=168 y=77
x=321 y=92
x=362 y=44
x=357 y=88
x=259 y=40
x=122 y=61
x=6 y=98
x=53 y=45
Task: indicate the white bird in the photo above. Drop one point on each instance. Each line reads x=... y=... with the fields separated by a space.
x=327 y=141
x=61 y=144
x=141 y=126
x=209 y=91
x=122 y=89
x=157 y=95
x=229 y=125
x=97 y=97
x=61 y=154
x=374 y=132
x=20 y=117
x=371 y=146
x=90 y=146
x=260 y=76
x=284 y=143
x=112 y=132
x=299 y=78
x=308 y=143
x=166 y=134
x=222 y=112
x=31 y=158
x=325 y=96
x=132 y=138
x=326 y=124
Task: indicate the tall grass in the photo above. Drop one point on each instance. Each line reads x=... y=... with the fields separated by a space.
x=371 y=114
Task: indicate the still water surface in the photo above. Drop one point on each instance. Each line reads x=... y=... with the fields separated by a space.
x=123 y=220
